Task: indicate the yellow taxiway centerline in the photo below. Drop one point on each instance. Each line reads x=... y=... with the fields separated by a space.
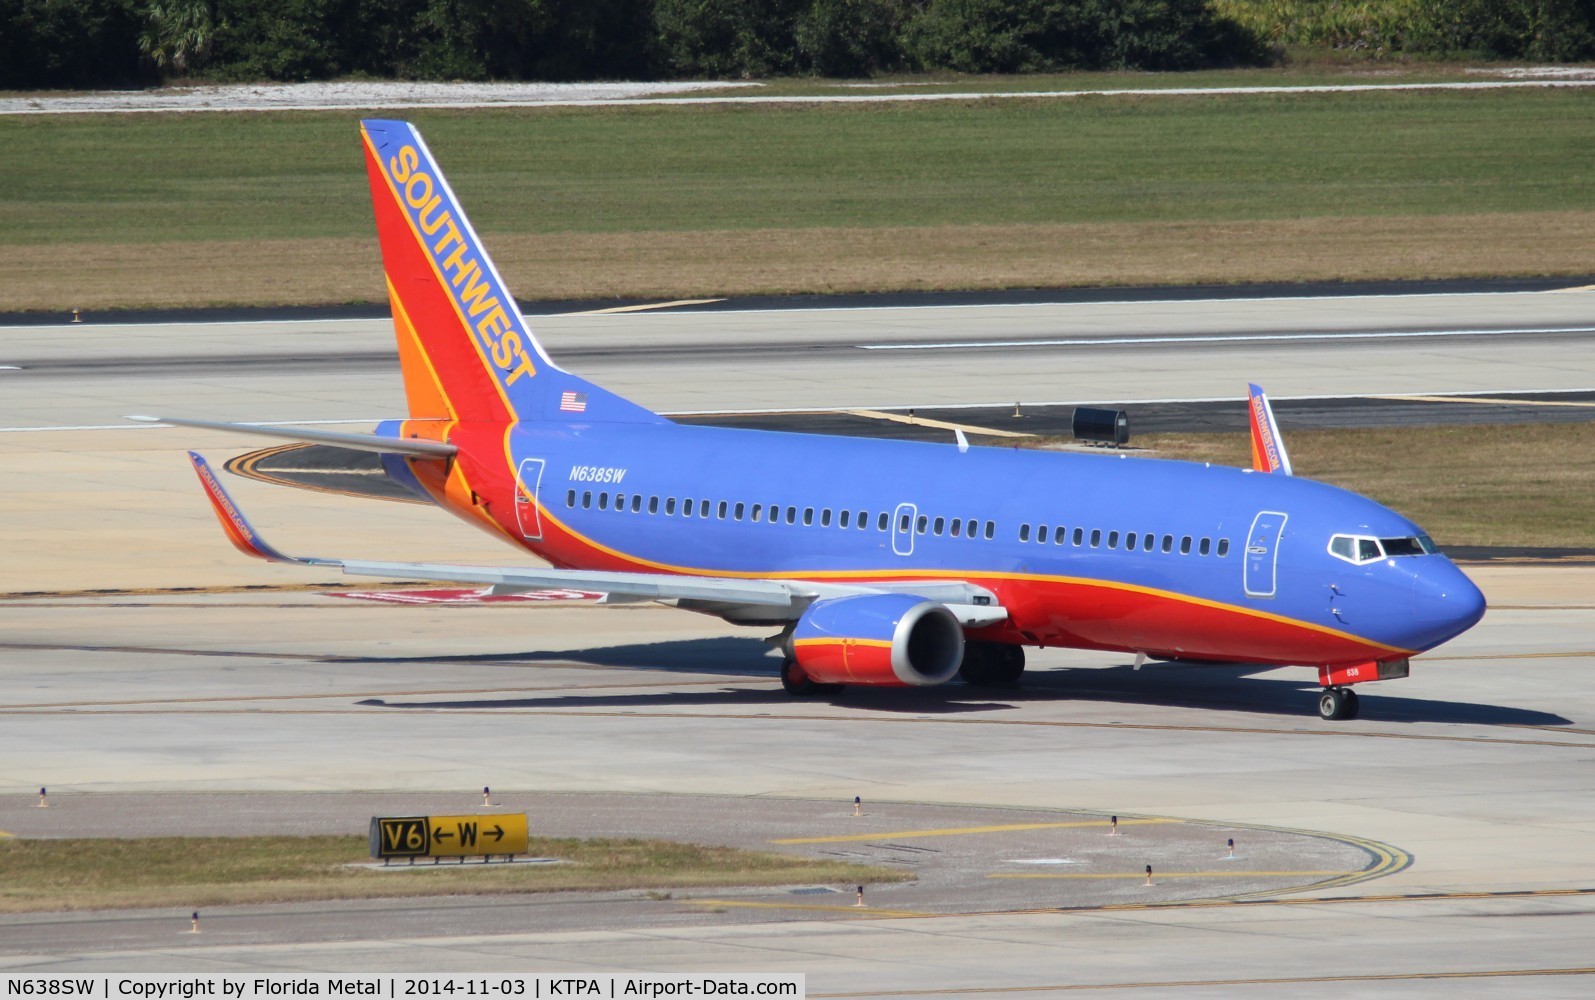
x=1157 y=875
x=862 y=911
x=903 y=418
x=645 y=307
x=1493 y=401
x=960 y=831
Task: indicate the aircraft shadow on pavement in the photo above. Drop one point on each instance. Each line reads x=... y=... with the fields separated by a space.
x=1233 y=687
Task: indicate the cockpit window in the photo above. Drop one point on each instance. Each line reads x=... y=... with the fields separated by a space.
x=1409 y=546
x=1360 y=549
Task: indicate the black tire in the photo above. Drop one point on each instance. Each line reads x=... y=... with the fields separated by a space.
x=1331 y=704
x=977 y=666
x=992 y=664
x=1351 y=707
x=1010 y=667
x=796 y=682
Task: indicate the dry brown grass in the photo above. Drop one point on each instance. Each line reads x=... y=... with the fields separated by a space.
x=190 y=872
x=1497 y=485
x=58 y=278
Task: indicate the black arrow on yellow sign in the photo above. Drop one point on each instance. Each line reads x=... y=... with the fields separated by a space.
x=498 y=833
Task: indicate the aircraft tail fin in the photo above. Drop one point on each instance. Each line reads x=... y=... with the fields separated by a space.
x=1268 y=448
x=465 y=349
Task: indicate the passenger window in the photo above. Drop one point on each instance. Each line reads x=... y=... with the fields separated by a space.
x=791 y=515
x=1079 y=537
x=1223 y=547
x=570 y=499
x=1168 y=543
x=1367 y=549
x=825 y=518
x=882 y=521
x=1041 y=533
x=904 y=522
x=587 y=499
x=1185 y=545
x=1129 y=541
x=603 y=500
x=758 y=508
x=1060 y=534
x=1024 y=532
x=991 y=529
x=808 y=517
x=1113 y=539
x=620 y=501
x=937 y=526
x=737 y=512
x=1204 y=547
x=842 y=519
x=956 y=529
x=686 y=507
x=636 y=503
x=924 y=522
x=721 y=512
x=1096 y=537
x=1149 y=542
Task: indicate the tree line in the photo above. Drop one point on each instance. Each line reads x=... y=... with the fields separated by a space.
x=96 y=43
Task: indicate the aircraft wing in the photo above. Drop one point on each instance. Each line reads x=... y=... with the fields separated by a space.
x=340 y=439
x=777 y=598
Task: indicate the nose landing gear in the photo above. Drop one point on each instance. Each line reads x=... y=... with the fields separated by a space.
x=1337 y=703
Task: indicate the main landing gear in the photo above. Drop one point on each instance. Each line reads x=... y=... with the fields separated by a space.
x=992 y=664
x=798 y=684
x=1337 y=703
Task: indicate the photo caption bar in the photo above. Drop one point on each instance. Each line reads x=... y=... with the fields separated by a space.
x=237 y=986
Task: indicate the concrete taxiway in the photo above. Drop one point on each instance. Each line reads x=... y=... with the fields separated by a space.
x=138 y=703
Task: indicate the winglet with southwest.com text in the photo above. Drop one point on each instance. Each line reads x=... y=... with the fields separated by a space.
x=1268 y=448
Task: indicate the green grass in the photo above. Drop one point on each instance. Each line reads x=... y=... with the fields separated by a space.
x=1491 y=485
x=156 y=179
x=189 y=872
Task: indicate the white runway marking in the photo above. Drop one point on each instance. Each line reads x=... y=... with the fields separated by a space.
x=651 y=309
x=1222 y=339
x=262 y=99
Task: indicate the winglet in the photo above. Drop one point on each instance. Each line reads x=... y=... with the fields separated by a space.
x=1268 y=448
x=244 y=537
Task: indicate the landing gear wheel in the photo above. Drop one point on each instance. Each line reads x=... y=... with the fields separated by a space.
x=1010 y=666
x=796 y=682
x=798 y=685
x=1335 y=704
x=992 y=664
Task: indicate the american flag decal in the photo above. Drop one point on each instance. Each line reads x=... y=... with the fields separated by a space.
x=573 y=402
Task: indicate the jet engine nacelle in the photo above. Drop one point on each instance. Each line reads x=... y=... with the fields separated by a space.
x=882 y=639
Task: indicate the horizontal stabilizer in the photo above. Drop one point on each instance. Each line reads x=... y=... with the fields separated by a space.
x=338 y=439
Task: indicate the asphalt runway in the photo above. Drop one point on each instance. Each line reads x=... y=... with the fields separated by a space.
x=140 y=681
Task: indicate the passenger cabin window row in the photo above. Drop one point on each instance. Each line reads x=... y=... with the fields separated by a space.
x=824 y=517
x=1128 y=541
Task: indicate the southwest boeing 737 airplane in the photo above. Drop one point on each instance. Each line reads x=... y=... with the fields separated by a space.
x=879 y=562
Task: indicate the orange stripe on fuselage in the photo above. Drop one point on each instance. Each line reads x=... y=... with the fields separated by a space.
x=1127 y=616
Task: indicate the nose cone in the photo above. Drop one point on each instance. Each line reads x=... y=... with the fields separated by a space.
x=1445 y=603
